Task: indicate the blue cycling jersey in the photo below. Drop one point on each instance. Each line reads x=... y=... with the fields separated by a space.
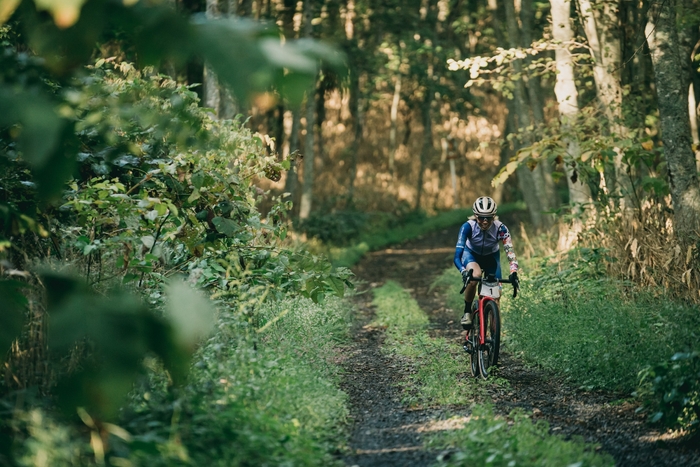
x=484 y=242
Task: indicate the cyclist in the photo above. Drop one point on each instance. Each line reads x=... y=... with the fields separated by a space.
x=478 y=250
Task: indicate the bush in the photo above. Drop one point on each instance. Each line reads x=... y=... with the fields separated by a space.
x=672 y=391
x=337 y=228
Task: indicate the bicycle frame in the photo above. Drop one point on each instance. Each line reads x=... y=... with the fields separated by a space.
x=484 y=298
x=484 y=346
x=480 y=309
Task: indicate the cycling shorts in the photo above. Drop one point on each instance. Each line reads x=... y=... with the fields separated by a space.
x=489 y=264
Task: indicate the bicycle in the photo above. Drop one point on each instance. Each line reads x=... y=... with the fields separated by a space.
x=483 y=340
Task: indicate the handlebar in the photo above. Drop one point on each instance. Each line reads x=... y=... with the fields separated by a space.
x=469 y=278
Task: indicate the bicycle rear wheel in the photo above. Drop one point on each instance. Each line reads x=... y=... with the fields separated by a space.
x=488 y=353
x=473 y=337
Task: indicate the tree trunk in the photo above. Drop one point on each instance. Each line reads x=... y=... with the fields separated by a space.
x=394 y=123
x=534 y=90
x=663 y=41
x=320 y=118
x=427 y=148
x=308 y=184
x=567 y=98
x=601 y=25
x=693 y=112
x=531 y=182
x=290 y=185
x=212 y=90
x=357 y=127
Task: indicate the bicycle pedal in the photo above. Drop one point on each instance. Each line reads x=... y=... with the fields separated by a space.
x=467 y=349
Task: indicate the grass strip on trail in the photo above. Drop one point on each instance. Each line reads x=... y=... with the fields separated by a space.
x=441 y=378
x=487 y=439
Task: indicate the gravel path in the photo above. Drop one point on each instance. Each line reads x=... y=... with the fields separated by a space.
x=387 y=433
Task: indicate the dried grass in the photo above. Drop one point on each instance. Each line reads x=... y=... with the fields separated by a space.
x=647 y=252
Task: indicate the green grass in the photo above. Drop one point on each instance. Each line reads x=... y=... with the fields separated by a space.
x=374 y=240
x=440 y=377
x=263 y=394
x=595 y=332
x=599 y=333
x=516 y=441
x=440 y=367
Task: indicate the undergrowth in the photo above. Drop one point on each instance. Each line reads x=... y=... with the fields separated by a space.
x=257 y=395
x=441 y=377
x=370 y=239
x=490 y=440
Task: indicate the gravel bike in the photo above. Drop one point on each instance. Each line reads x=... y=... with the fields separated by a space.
x=483 y=340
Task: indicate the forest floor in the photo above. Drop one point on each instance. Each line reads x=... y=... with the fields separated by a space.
x=389 y=433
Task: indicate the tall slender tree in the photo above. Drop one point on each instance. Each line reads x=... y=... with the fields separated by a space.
x=662 y=37
x=567 y=98
x=309 y=155
x=531 y=182
x=601 y=23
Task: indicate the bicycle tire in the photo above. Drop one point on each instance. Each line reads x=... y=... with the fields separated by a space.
x=488 y=354
x=473 y=336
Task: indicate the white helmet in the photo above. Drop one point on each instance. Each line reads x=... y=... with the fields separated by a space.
x=484 y=206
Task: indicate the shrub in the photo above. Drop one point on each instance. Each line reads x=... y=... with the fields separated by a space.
x=337 y=228
x=672 y=391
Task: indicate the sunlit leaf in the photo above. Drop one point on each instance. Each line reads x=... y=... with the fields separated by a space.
x=65 y=12
x=7 y=7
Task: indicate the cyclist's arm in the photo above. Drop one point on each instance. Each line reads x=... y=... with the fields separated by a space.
x=504 y=236
x=464 y=233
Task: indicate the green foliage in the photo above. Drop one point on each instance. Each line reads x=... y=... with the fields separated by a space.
x=335 y=228
x=671 y=391
x=159 y=189
x=120 y=331
x=15 y=304
x=516 y=441
x=157 y=33
x=256 y=396
x=574 y=320
x=390 y=230
x=440 y=376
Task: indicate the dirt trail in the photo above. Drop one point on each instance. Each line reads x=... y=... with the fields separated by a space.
x=387 y=433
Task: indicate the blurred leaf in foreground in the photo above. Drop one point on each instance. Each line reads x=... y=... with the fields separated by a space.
x=13 y=305
x=116 y=333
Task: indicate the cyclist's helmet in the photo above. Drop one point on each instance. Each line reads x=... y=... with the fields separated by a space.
x=484 y=206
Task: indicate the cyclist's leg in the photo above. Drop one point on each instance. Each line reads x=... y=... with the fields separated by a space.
x=470 y=291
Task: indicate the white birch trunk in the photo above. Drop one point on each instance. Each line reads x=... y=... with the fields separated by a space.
x=693 y=112
x=601 y=25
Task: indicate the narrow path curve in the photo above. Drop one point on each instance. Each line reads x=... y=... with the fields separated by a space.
x=386 y=433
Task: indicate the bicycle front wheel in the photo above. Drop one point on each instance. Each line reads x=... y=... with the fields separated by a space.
x=488 y=353
x=473 y=336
